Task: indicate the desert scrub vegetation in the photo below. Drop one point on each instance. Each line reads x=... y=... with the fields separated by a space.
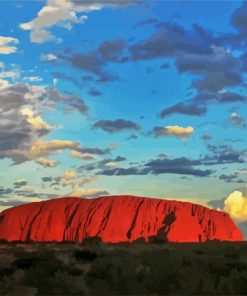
x=95 y=268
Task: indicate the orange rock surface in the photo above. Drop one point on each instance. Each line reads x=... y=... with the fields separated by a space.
x=116 y=219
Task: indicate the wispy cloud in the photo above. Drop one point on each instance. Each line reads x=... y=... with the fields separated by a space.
x=8 y=45
x=118 y=125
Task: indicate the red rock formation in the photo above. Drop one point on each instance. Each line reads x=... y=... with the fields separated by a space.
x=115 y=219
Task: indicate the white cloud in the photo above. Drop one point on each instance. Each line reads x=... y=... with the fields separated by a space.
x=46 y=162
x=69 y=174
x=8 y=45
x=55 y=81
x=88 y=193
x=236 y=205
x=178 y=130
x=20 y=180
x=236 y=118
x=10 y=74
x=70 y=178
x=41 y=36
x=26 y=26
x=80 y=155
x=75 y=182
x=48 y=57
x=63 y=13
x=33 y=78
x=111 y=164
x=244 y=171
x=174 y=130
x=37 y=123
x=58 y=13
x=45 y=148
x=3 y=84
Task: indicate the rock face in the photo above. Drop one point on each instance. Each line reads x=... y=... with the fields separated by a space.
x=116 y=219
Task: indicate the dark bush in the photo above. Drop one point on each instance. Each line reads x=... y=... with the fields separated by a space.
x=85 y=255
x=212 y=268
x=93 y=240
x=27 y=262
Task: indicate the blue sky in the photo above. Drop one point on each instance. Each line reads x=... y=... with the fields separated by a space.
x=103 y=97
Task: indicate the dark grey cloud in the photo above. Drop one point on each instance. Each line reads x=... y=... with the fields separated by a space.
x=229 y=97
x=165 y=66
x=13 y=97
x=94 y=92
x=119 y=158
x=31 y=193
x=20 y=183
x=5 y=191
x=107 y=77
x=118 y=125
x=47 y=179
x=216 y=58
x=196 y=51
x=219 y=155
x=181 y=166
x=188 y=108
x=110 y=50
x=167 y=41
x=148 y=21
x=94 y=150
x=232 y=178
x=244 y=60
x=239 y=21
x=213 y=82
x=95 y=61
x=206 y=138
x=11 y=203
x=56 y=181
x=123 y=172
x=87 y=62
x=224 y=154
x=201 y=54
x=16 y=191
x=197 y=106
x=71 y=102
x=132 y=137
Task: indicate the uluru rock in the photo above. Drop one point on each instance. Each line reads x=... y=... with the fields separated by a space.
x=116 y=219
